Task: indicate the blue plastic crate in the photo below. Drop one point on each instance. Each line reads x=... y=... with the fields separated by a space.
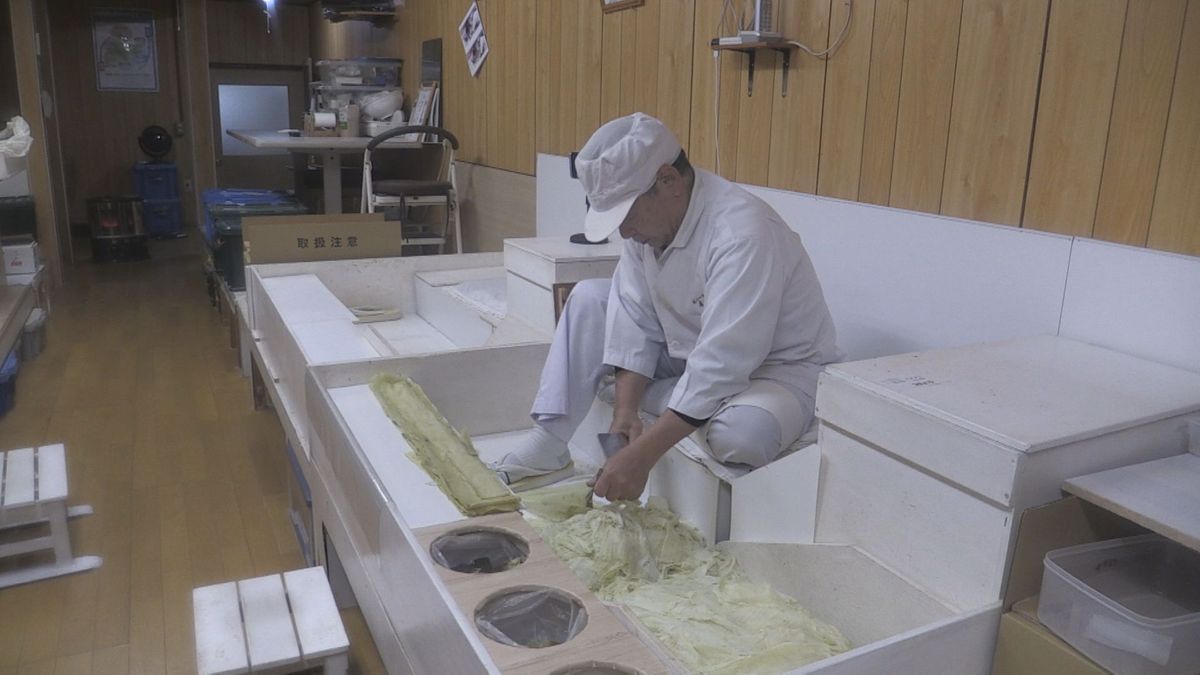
x=8 y=382
x=156 y=180
x=162 y=217
x=224 y=201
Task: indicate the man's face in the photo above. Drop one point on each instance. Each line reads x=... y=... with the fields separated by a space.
x=656 y=215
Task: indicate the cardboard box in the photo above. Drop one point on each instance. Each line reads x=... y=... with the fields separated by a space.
x=1024 y=647
x=278 y=239
x=21 y=258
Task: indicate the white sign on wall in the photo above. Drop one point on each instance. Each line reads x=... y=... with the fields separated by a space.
x=126 y=57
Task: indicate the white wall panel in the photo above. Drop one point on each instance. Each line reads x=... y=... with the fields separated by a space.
x=1134 y=300
x=899 y=281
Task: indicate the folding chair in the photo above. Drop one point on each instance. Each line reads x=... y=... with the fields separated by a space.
x=406 y=194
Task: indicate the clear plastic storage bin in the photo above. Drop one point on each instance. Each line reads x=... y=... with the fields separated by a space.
x=1132 y=605
x=363 y=71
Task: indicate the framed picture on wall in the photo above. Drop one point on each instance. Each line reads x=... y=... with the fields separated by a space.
x=126 y=57
x=617 y=5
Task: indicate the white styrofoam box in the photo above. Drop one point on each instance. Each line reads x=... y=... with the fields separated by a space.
x=15 y=185
x=560 y=207
x=11 y=166
x=953 y=444
x=1134 y=300
x=22 y=258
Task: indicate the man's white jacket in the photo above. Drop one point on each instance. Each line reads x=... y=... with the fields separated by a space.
x=734 y=294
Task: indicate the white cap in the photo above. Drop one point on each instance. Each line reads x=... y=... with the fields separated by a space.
x=617 y=164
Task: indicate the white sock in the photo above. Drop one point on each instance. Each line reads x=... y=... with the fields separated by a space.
x=541 y=453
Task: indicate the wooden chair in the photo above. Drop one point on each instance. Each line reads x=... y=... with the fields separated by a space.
x=280 y=622
x=35 y=492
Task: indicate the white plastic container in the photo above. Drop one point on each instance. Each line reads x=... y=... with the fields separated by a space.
x=1132 y=605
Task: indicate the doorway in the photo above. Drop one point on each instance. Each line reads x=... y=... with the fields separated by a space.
x=256 y=98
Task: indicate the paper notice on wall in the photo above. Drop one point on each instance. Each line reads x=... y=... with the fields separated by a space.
x=125 y=53
x=474 y=42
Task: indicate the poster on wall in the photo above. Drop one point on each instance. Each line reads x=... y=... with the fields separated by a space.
x=125 y=52
x=473 y=40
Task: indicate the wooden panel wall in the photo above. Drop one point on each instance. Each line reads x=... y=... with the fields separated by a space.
x=10 y=100
x=237 y=33
x=1071 y=116
x=28 y=21
x=99 y=129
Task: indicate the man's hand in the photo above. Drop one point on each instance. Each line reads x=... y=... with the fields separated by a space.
x=629 y=389
x=625 y=474
x=626 y=422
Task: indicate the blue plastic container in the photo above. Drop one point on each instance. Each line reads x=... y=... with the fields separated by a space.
x=221 y=201
x=223 y=213
x=156 y=180
x=162 y=217
x=8 y=382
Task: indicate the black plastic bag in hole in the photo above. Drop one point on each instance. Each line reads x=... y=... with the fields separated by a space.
x=485 y=551
x=534 y=617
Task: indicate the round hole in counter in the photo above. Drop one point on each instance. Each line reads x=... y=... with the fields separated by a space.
x=531 y=616
x=479 y=550
x=596 y=668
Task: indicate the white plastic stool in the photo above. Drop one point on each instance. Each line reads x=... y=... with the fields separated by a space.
x=280 y=622
x=35 y=491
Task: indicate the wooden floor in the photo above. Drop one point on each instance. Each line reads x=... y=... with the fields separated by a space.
x=188 y=481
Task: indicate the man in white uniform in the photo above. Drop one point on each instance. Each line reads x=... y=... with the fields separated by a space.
x=714 y=318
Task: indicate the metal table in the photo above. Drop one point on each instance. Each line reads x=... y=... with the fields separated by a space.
x=330 y=148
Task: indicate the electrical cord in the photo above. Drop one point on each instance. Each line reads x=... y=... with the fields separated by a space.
x=825 y=54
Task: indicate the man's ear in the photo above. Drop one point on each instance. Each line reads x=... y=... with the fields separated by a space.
x=668 y=174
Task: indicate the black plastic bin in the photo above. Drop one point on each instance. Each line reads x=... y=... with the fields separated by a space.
x=227 y=242
x=17 y=217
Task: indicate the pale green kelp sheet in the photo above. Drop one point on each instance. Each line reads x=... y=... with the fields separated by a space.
x=445 y=453
x=693 y=598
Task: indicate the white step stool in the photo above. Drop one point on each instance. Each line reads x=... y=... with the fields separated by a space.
x=35 y=491
x=280 y=622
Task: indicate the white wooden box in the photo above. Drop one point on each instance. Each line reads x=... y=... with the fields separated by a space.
x=371 y=497
x=540 y=267
x=949 y=447
x=300 y=314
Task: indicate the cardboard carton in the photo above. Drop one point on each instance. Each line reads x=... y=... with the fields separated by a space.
x=1025 y=647
x=21 y=258
x=278 y=239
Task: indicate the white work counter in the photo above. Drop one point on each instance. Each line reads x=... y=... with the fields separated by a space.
x=330 y=148
x=376 y=499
